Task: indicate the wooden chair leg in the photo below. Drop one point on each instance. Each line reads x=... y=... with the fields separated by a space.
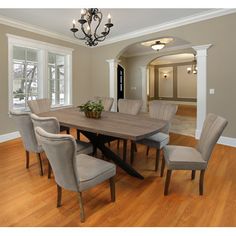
x=27 y=159
x=162 y=166
x=78 y=134
x=81 y=206
x=68 y=131
x=49 y=170
x=132 y=153
x=124 y=149
x=157 y=159
x=147 y=151
x=112 y=189
x=40 y=164
x=167 y=183
x=135 y=147
x=59 y=194
x=201 y=182
x=193 y=174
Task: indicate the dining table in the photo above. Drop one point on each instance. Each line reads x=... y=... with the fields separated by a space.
x=111 y=125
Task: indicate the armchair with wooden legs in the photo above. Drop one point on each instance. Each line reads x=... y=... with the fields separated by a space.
x=194 y=159
x=163 y=111
x=72 y=171
x=25 y=127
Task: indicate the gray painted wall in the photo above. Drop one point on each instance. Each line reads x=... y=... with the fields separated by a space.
x=220 y=32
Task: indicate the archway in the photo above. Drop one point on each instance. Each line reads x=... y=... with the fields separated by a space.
x=201 y=55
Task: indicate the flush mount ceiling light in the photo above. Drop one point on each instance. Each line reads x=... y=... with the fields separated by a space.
x=158 y=45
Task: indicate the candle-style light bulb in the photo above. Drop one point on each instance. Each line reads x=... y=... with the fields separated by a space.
x=82 y=13
x=88 y=29
x=73 y=22
x=109 y=18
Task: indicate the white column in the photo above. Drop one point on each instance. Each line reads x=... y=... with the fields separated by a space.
x=144 y=87
x=113 y=63
x=201 y=86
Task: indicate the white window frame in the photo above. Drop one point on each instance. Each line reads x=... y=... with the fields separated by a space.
x=44 y=49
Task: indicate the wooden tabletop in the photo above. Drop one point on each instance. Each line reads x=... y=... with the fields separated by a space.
x=115 y=124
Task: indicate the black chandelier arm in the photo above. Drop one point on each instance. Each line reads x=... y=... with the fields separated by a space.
x=86 y=35
x=77 y=37
x=91 y=37
x=99 y=23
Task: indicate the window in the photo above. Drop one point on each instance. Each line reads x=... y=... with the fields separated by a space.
x=38 y=70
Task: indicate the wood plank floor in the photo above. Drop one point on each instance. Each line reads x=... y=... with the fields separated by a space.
x=28 y=199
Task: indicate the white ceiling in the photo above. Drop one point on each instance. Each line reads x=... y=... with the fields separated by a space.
x=125 y=20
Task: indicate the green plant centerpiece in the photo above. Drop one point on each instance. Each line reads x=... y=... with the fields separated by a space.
x=92 y=109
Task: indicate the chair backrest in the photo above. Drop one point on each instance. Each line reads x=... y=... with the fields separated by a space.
x=130 y=106
x=49 y=124
x=60 y=150
x=163 y=111
x=107 y=102
x=39 y=105
x=25 y=126
x=211 y=131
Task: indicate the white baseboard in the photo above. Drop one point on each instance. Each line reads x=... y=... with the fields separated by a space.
x=222 y=140
x=9 y=136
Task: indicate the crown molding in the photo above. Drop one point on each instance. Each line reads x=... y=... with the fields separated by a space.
x=170 y=25
x=38 y=30
x=145 y=31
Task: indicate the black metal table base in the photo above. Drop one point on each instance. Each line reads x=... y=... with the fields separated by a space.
x=99 y=142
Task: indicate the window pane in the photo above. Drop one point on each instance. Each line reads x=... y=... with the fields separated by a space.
x=25 y=77
x=32 y=55
x=56 y=76
x=19 y=53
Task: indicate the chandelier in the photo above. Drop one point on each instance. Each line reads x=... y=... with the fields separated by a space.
x=91 y=37
x=193 y=68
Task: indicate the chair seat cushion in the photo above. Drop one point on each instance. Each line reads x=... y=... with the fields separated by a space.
x=83 y=147
x=91 y=171
x=183 y=158
x=158 y=140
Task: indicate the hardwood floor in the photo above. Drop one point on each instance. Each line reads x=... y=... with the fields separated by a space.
x=28 y=199
x=187 y=110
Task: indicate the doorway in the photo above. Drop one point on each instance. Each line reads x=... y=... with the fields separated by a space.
x=120 y=82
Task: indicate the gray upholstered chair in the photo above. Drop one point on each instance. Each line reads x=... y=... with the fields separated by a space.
x=43 y=105
x=189 y=158
x=131 y=107
x=25 y=126
x=163 y=111
x=51 y=125
x=75 y=172
x=107 y=102
x=39 y=105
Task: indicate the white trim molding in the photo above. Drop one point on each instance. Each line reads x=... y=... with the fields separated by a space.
x=145 y=31
x=170 y=25
x=43 y=49
x=38 y=30
x=113 y=64
x=228 y=141
x=9 y=136
x=144 y=71
x=201 y=84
